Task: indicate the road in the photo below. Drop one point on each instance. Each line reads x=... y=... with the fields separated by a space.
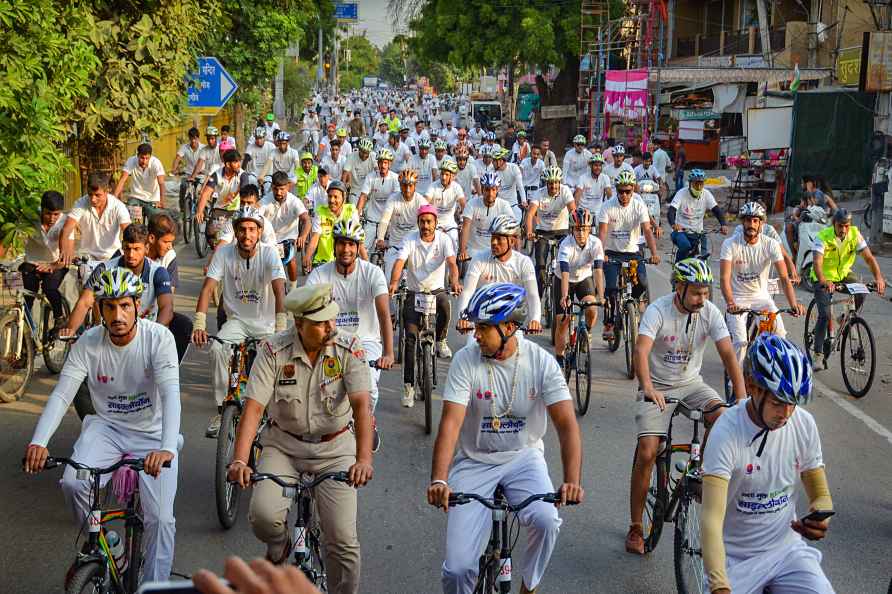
x=403 y=538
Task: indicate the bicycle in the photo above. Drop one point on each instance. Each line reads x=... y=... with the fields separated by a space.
x=853 y=338
x=494 y=567
x=674 y=497
x=578 y=357
x=757 y=322
x=95 y=569
x=306 y=534
x=624 y=309
x=226 y=495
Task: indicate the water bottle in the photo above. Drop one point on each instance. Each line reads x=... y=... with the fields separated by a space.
x=116 y=546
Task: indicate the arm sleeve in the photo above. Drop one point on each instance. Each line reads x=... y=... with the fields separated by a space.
x=56 y=407
x=715 y=501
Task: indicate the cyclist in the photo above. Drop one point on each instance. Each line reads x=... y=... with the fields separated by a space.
x=531 y=169
x=552 y=205
x=425 y=164
x=448 y=196
x=286 y=159
x=479 y=214
x=359 y=165
x=253 y=295
x=757 y=455
x=306 y=174
x=100 y=218
x=355 y=284
x=576 y=160
x=377 y=188
x=745 y=263
x=288 y=217
x=425 y=254
x=672 y=338
x=314 y=385
x=835 y=249
x=133 y=377
x=502 y=264
x=257 y=156
x=594 y=186
x=577 y=257
x=209 y=157
x=41 y=266
x=621 y=222
x=224 y=185
x=686 y=212
x=511 y=189
x=498 y=396
x=399 y=217
x=618 y=163
x=187 y=155
x=321 y=246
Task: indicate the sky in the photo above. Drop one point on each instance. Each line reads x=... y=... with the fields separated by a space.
x=375 y=20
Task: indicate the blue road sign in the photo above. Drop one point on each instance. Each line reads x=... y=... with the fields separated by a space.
x=214 y=86
x=347 y=11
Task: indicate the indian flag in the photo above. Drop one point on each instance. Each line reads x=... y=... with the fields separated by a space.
x=794 y=83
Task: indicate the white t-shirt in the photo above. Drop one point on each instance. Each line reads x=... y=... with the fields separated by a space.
x=481 y=216
x=425 y=169
x=377 y=191
x=593 y=191
x=426 y=262
x=259 y=156
x=144 y=182
x=446 y=201
x=100 y=235
x=540 y=384
x=355 y=294
x=288 y=162
x=579 y=259
x=690 y=211
x=750 y=266
x=247 y=288
x=359 y=170
x=532 y=172
x=623 y=224
x=400 y=217
x=761 y=489
x=552 y=210
x=283 y=216
x=677 y=353
x=575 y=165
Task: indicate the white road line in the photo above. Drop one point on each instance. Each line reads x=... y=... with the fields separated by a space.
x=856 y=412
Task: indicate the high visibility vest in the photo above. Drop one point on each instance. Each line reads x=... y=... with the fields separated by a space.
x=839 y=254
x=327 y=220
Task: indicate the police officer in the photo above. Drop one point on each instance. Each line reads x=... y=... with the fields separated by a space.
x=314 y=384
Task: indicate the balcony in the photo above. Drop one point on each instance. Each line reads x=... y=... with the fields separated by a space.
x=729 y=43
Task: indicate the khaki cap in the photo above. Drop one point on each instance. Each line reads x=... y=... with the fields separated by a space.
x=313 y=302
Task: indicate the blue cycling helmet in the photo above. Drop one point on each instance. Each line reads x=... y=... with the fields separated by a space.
x=490 y=179
x=697 y=175
x=496 y=303
x=780 y=367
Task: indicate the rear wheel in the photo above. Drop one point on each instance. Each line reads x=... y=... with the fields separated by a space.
x=55 y=351
x=655 y=503
x=427 y=385
x=227 y=494
x=15 y=367
x=856 y=357
x=583 y=373
x=688 y=550
x=89 y=579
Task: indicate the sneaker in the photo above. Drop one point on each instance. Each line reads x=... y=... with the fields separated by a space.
x=213 y=427
x=408 y=395
x=608 y=332
x=635 y=540
x=443 y=351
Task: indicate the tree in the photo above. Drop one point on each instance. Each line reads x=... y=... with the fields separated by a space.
x=365 y=59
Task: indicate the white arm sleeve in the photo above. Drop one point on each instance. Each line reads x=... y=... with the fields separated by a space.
x=169 y=392
x=56 y=407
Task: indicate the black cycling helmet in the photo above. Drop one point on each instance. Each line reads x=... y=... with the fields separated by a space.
x=842 y=215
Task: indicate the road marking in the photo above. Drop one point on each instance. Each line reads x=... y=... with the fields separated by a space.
x=856 y=412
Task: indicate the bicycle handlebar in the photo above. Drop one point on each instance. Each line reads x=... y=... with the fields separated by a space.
x=463 y=498
x=341 y=477
x=134 y=463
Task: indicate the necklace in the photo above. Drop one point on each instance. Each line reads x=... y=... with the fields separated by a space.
x=496 y=418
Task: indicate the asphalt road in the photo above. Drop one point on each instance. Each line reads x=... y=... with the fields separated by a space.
x=403 y=538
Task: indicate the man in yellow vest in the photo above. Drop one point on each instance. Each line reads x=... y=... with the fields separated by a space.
x=321 y=246
x=306 y=175
x=835 y=249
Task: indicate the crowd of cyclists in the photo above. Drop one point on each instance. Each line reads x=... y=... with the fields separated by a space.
x=386 y=191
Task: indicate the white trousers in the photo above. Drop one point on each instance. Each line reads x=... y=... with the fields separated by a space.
x=793 y=569
x=233 y=331
x=102 y=444
x=737 y=324
x=468 y=526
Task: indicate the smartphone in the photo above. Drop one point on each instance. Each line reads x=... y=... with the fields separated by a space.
x=818 y=515
x=177 y=587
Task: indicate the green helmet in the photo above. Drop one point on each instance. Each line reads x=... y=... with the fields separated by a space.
x=692 y=271
x=115 y=283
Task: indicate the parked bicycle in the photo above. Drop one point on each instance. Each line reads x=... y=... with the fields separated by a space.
x=95 y=569
x=578 y=356
x=849 y=334
x=625 y=311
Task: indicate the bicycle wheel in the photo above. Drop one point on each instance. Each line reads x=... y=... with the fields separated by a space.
x=583 y=373
x=630 y=331
x=227 y=494
x=55 y=351
x=15 y=370
x=655 y=503
x=688 y=551
x=856 y=357
x=811 y=318
x=89 y=579
x=427 y=385
x=135 y=552
x=201 y=239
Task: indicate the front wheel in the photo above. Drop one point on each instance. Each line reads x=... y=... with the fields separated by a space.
x=583 y=373
x=427 y=385
x=688 y=550
x=16 y=365
x=227 y=494
x=89 y=579
x=856 y=357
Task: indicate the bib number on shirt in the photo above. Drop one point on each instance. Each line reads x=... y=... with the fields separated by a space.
x=426 y=304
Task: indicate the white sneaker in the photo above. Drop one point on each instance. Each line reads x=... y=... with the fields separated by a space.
x=408 y=395
x=213 y=427
x=443 y=351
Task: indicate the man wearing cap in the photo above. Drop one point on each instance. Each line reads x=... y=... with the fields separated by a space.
x=314 y=384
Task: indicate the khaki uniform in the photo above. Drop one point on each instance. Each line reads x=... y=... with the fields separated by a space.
x=308 y=410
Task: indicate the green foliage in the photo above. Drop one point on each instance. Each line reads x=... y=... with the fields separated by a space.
x=47 y=65
x=365 y=59
x=298 y=86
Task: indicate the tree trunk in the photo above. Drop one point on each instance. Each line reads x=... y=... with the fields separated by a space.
x=562 y=92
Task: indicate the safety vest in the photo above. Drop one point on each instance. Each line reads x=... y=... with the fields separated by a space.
x=327 y=220
x=305 y=180
x=839 y=255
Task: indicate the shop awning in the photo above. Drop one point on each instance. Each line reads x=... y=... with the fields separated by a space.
x=734 y=75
